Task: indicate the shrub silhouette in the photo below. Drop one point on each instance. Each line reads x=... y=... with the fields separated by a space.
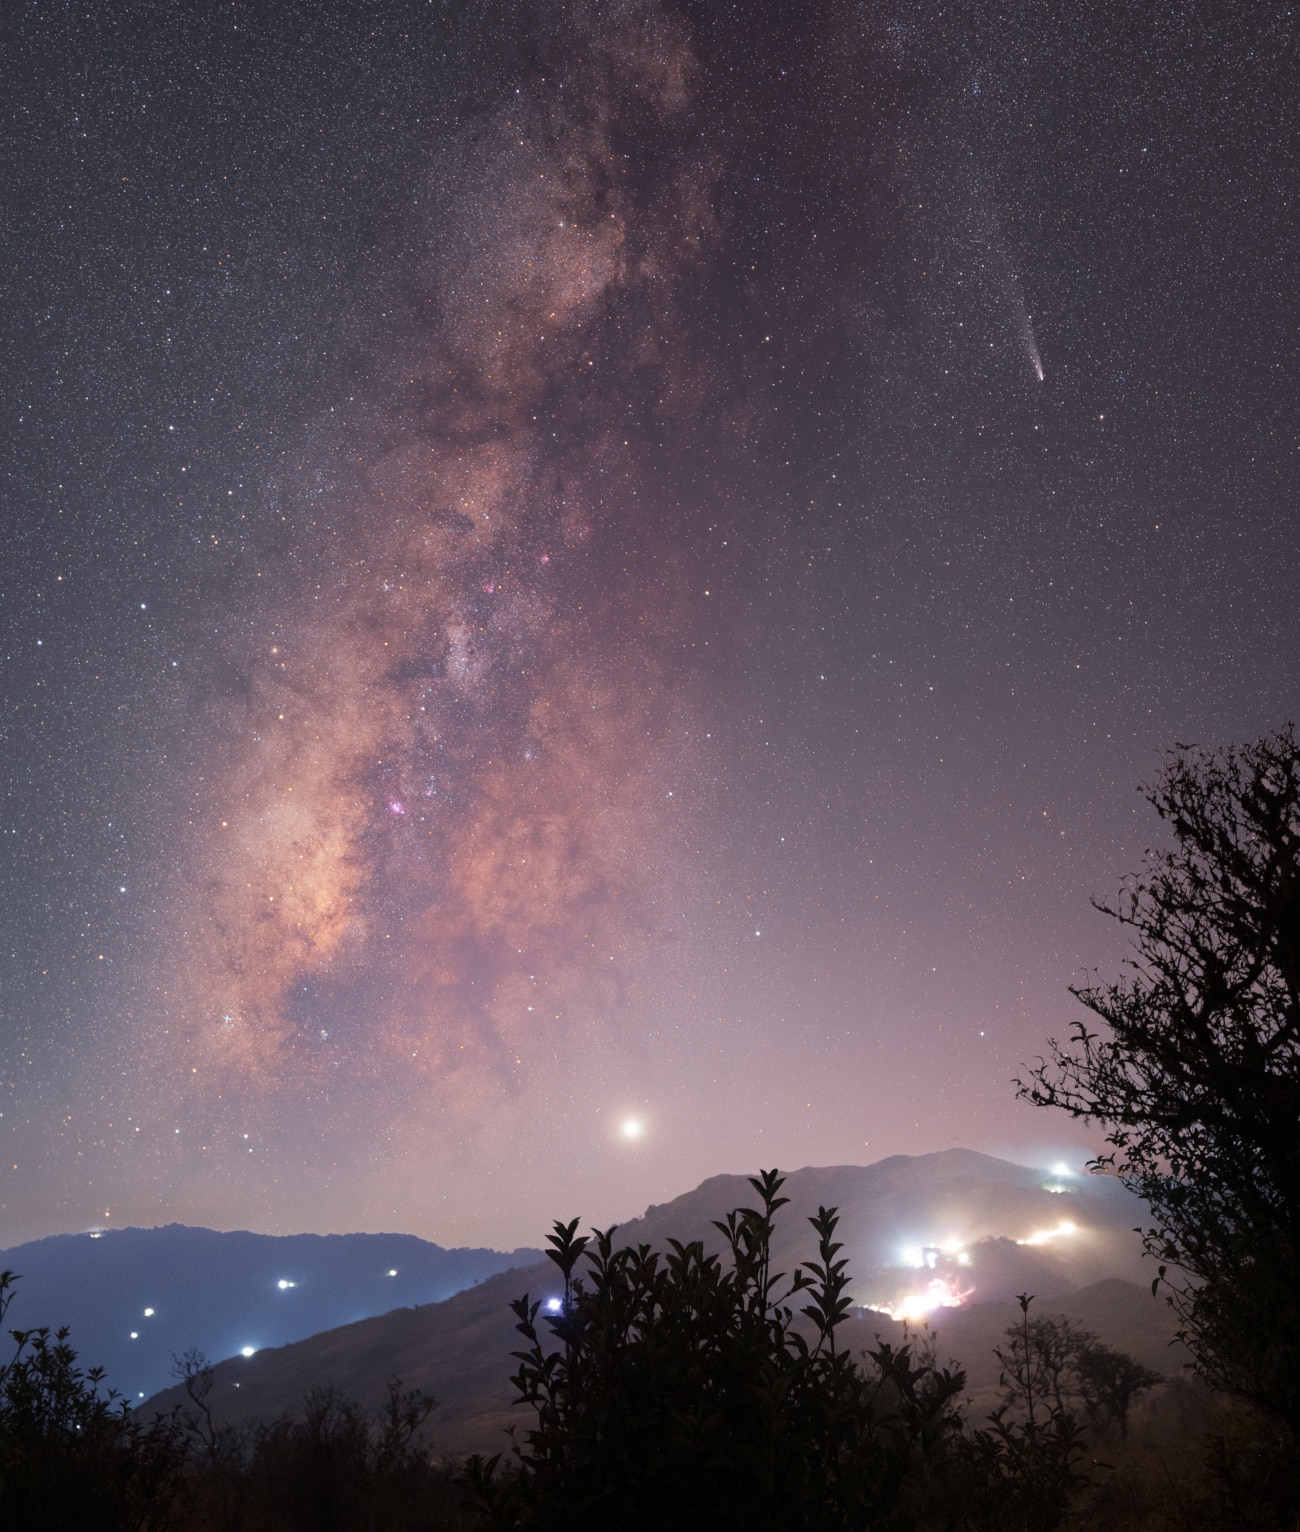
x=73 y=1456
x=675 y=1389
x=679 y=1389
x=332 y=1467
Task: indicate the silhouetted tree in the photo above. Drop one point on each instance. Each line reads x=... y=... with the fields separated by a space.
x=1051 y=1361
x=1107 y=1381
x=1196 y=1076
x=73 y=1455
x=1037 y=1361
x=332 y=1467
x=216 y=1449
x=1018 y=1471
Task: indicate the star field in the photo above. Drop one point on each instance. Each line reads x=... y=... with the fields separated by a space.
x=580 y=565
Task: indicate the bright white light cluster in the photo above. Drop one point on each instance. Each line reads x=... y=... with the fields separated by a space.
x=1042 y=1236
x=936 y=1294
x=1062 y=1179
x=920 y=1257
x=939 y=1292
x=943 y=1290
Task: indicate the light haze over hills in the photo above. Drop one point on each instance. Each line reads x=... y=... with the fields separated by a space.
x=922 y=1233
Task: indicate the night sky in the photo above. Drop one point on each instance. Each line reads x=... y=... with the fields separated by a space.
x=575 y=563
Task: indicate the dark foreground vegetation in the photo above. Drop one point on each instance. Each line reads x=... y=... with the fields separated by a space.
x=1196 y=1074
x=677 y=1390
x=684 y=1390
x=681 y=1389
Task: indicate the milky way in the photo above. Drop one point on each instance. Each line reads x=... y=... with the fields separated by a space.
x=545 y=589
x=454 y=770
x=446 y=764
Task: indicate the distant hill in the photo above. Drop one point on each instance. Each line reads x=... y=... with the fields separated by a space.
x=915 y=1204
x=896 y=1218
x=134 y=1297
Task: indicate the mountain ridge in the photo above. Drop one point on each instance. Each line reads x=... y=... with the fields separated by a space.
x=907 y=1222
x=134 y=1298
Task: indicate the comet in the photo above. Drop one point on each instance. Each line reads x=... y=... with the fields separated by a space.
x=1031 y=345
x=1024 y=322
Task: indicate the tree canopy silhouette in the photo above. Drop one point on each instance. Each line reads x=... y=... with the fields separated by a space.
x=1196 y=1076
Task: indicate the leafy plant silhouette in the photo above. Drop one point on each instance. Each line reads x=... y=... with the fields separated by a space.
x=73 y=1455
x=682 y=1388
